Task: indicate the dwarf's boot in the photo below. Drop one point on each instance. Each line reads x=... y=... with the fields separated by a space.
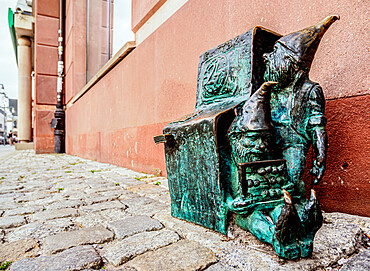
x=311 y=219
x=257 y=224
x=287 y=227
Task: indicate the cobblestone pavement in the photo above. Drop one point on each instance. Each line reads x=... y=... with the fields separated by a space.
x=5 y=150
x=60 y=212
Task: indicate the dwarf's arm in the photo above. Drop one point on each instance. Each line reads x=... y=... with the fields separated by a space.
x=320 y=143
x=316 y=124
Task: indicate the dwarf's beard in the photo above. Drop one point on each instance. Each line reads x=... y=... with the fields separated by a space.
x=271 y=73
x=277 y=72
x=243 y=153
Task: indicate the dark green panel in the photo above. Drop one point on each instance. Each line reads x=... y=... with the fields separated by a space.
x=193 y=173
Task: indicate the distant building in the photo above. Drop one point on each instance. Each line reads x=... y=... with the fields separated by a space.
x=4 y=103
x=8 y=115
x=13 y=106
x=12 y=118
x=3 y=125
x=21 y=25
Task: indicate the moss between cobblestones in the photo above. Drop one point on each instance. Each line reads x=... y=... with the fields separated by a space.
x=3 y=266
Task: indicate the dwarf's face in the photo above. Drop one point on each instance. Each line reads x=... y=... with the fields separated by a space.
x=280 y=66
x=250 y=146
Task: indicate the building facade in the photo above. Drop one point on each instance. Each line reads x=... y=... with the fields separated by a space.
x=21 y=25
x=12 y=117
x=113 y=112
x=8 y=116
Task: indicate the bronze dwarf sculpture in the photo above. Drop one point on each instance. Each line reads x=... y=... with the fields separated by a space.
x=243 y=151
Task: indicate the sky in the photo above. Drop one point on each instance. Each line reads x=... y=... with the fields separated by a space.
x=121 y=24
x=8 y=66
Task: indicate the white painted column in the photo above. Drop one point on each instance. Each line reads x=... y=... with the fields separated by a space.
x=24 y=90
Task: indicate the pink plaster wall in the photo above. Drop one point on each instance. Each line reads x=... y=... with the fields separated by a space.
x=116 y=120
x=44 y=134
x=346 y=186
x=48 y=8
x=75 y=48
x=45 y=65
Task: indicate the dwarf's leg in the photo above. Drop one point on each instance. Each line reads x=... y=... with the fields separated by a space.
x=281 y=236
x=275 y=213
x=287 y=229
x=296 y=161
x=311 y=219
x=258 y=225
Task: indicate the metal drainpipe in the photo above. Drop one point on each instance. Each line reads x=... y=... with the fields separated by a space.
x=58 y=122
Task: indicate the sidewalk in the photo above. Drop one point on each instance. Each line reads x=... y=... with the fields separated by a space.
x=61 y=212
x=5 y=151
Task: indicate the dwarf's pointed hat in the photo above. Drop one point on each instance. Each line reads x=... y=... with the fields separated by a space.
x=256 y=115
x=305 y=42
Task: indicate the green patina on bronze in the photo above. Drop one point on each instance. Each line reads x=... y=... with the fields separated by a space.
x=198 y=159
x=243 y=151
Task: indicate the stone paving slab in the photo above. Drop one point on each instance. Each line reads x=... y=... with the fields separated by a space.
x=68 y=239
x=103 y=206
x=51 y=203
x=23 y=210
x=45 y=202
x=144 y=206
x=129 y=182
x=101 y=218
x=10 y=189
x=7 y=203
x=183 y=255
x=67 y=203
x=149 y=190
x=39 y=230
x=132 y=225
x=53 y=214
x=78 y=258
x=359 y=262
x=137 y=244
x=19 y=249
x=221 y=267
x=100 y=199
x=11 y=221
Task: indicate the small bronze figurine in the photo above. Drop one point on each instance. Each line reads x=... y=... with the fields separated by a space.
x=298 y=104
x=243 y=151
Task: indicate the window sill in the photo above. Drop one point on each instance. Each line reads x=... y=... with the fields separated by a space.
x=121 y=54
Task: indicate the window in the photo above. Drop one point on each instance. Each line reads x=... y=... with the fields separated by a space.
x=121 y=24
x=104 y=40
x=99 y=28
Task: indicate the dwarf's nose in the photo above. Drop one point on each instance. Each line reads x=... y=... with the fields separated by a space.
x=260 y=144
x=266 y=57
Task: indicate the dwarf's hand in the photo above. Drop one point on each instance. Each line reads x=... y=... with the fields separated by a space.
x=238 y=205
x=317 y=170
x=266 y=86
